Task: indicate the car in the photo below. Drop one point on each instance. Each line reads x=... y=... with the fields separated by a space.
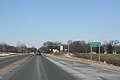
x=38 y=53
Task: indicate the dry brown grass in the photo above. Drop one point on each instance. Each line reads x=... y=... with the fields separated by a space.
x=4 y=52
x=108 y=58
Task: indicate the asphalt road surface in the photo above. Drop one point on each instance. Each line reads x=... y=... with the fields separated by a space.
x=40 y=68
x=87 y=71
x=9 y=60
x=47 y=68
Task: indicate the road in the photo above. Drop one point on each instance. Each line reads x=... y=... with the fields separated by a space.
x=87 y=71
x=47 y=68
x=9 y=60
x=39 y=68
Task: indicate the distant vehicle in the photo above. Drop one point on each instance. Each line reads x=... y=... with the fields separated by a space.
x=38 y=53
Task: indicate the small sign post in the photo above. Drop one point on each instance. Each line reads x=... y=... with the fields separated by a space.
x=95 y=44
x=91 y=52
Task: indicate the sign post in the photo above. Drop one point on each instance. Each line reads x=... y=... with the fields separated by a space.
x=91 y=53
x=99 y=53
x=95 y=44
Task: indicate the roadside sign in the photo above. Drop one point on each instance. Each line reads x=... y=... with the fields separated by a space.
x=61 y=48
x=95 y=44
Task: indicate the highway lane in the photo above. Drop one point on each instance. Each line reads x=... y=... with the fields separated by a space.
x=40 y=68
x=4 y=62
x=87 y=71
x=46 y=68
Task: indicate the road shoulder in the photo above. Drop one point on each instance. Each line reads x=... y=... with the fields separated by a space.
x=80 y=60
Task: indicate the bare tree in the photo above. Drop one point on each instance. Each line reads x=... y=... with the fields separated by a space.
x=79 y=47
x=3 y=46
x=22 y=48
x=114 y=42
x=49 y=45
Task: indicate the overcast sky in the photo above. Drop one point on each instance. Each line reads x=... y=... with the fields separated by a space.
x=35 y=21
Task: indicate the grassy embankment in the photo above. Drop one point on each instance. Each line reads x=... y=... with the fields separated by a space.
x=108 y=58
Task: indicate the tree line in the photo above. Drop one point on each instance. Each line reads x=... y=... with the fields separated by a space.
x=81 y=47
x=71 y=46
x=20 y=48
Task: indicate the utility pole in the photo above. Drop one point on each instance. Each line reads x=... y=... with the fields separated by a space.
x=68 y=48
x=69 y=42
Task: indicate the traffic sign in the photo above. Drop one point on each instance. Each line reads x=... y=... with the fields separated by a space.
x=95 y=44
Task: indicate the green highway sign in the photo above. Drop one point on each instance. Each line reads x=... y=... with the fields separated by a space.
x=95 y=44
